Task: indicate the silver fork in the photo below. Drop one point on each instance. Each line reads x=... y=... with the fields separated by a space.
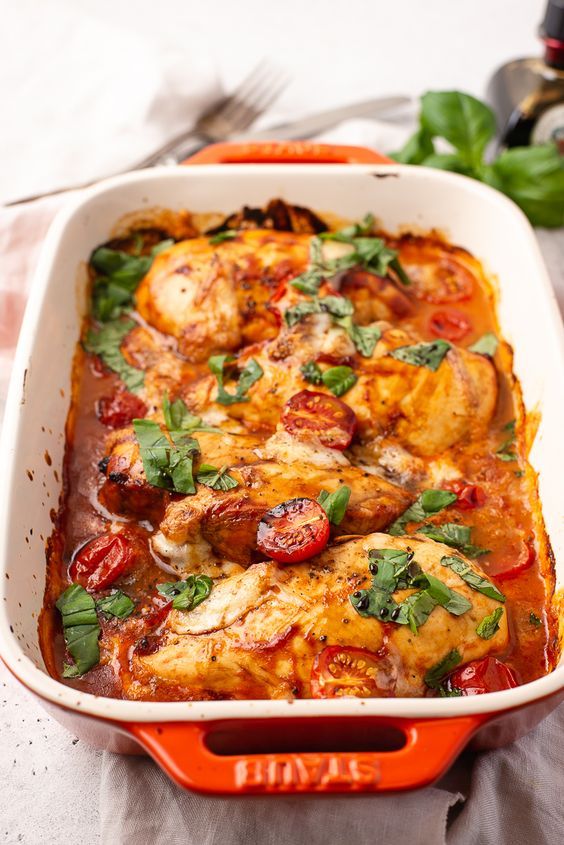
x=227 y=117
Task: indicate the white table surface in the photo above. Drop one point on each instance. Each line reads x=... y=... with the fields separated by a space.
x=336 y=52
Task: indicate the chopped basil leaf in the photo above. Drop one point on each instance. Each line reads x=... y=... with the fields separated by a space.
x=364 y=338
x=117 y=604
x=455 y=535
x=308 y=282
x=339 y=380
x=297 y=312
x=120 y=276
x=355 y=230
x=427 y=503
x=105 y=342
x=312 y=373
x=227 y=235
x=335 y=504
x=437 y=672
x=217 y=479
x=449 y=692
x=368 y=251
x=489 y=624
x=81 y=629
x=505 y=452
x=187 y=594
x=473 y=579
x=247 y=377
x=167 y=465
x=486 y=345
x=535 y=620
x=428 y=355
x=179 y=418
x=337 y=306
x=416 y=609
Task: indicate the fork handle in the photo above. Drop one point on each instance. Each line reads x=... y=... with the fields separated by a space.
x=180 y=148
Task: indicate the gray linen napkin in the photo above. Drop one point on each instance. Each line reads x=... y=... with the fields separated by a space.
x=511 y=796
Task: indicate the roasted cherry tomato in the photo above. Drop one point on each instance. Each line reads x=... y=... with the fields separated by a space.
x=450 y=324
x=344 y=670
x=320 y=415
x=480 y=676
x=119 y=409
x=293 y=531
x=513 y=566
x=440 y=279
x=97 y=564
x=470 y=496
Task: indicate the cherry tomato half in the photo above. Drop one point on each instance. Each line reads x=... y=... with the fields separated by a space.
x=470 y=496
x=320 y=415
x=450 y=324
x=343 y=670
x=440 y=279
x=293 y=531
x=119 y=409
x=480 y=676
x=97 y=564
x=513 y=566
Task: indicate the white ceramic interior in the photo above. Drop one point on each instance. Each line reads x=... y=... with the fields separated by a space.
x=471 y=214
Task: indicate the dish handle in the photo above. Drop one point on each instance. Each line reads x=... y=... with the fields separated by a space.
x=285 y=152
x=182 y=749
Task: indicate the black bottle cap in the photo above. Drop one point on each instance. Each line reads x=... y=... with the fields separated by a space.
x=553 y=23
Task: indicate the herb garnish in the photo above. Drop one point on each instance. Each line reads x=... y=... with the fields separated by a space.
x=455 y=535
x=335 y=504
x=226 y=235
x=364 y=338
x=339 y=379
x=217 y=479
x=120 y=276
x=428 y=355
x=532 y=176
x=535 y=620
x=312 y=372
x=427 y=503
x=473 y=579
x=167 y=464
x=247 y=377
x=489 y=624
x=187 y=594
x=116 y=604
x=369 y=252
x=341 y=309
x=81 y=630
x=485 y=345
x=436 y=673
x=105 y=342
x=504 y=452
x=179 y=418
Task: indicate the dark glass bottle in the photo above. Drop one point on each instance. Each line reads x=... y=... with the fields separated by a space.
x=528 y=94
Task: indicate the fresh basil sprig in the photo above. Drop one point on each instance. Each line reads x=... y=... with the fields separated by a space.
x=105 y=342
x=187 y=594
x=428 y=502
x=473 y=579
x=81 y=630
x=247 y=377
x=217 y=479
x=335 y=504
x=428 y=355
x=532 y=176
x=455 y=535
x=120 y=274
x=436 y=673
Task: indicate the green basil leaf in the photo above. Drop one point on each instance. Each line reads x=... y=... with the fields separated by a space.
x=297 y=312
x=416 y=149
x=179 y=418
x=187 y=594
x=81 y=629
x=247 y=377
x=312 y=373
x=534 y=178
x=308 y=282
x=335 y=504
x=489 y=625
x=227 y=235
x=449 y=161
x=416 y=609
x=355 y=230
x=105 y=342
x=339 y=379
x=364 y=338
x=428 y=355
x=454 y=602
x=167 y=465
x=505 y=452
x=116 y=604
x=429 y=502
x=462 y=120
x=486 y=345
x=452 y=692
x=337 y=306
x=455 y=535
x=473 y=579
x=437 y=672
x=535 y=620
x=217 y=479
